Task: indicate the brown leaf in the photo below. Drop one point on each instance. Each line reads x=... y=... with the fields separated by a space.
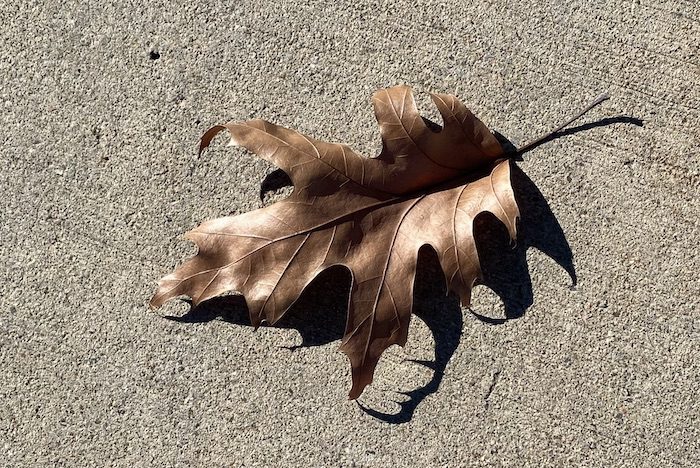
x=371 y=215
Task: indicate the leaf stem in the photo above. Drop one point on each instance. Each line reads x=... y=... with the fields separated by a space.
x=531 y=144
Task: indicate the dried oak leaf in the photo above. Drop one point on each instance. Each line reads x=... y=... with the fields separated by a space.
x=371 y=215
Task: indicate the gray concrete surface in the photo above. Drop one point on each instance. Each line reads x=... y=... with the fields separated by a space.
x=100 y=178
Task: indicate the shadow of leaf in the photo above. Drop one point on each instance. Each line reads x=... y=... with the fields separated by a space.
x=443 y=316
x=319 y=315
x=505 y=271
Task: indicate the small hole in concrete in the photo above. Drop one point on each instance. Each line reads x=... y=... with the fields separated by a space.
x=153 y=55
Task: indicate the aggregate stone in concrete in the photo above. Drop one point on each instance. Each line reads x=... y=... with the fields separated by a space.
x=102 y=105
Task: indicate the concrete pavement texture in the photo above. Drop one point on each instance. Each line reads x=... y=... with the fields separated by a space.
x=103 y=104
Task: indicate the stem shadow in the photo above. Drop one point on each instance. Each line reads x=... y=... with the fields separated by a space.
x=620 y=119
